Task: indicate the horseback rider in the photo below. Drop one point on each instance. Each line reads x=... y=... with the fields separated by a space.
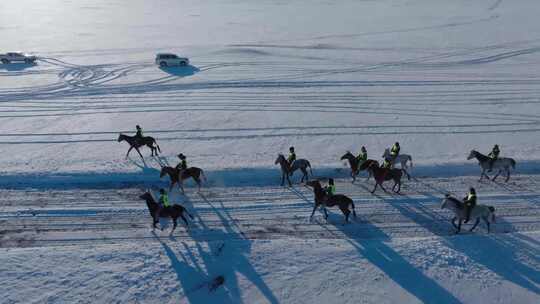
x=163 y=202
x=387 y=164
x=362 y=157
x=394 y=152
x=139 y=135
x=494 y=154
x=469 y=202
x=182 y=165
x=292 y=156
x=331 y=188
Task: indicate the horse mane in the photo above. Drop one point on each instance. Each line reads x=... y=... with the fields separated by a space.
x=453 y=199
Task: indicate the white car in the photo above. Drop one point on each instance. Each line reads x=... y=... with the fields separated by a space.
x=17 y=57
x=168 y=59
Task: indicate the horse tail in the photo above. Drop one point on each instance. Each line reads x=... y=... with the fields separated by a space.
x=309 y=165
x=513 y=162
x=353 y=211
x=492 y=210
x=203 y=176
x=157 y=146
x=189 y=214
x=410 y=160
x=403 y=171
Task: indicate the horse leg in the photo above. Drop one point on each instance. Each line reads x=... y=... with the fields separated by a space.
x=458 y=227
x=304 y=175
x=454 y=222
x=496 y=175
x=181 y=185
x=375 y=188
x=282 y=178
x=175 y=223
x=384 y=189
x=475 y=224
x=507 y=175
x=137 y=149
x=129 y=150
x=184 y=219
x=325 y=213
x=198 y=181
x=312 y=213
x=289 y=181
x=487 y=222
x=346 y=213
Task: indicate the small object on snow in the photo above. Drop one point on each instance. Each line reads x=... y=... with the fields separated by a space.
x=218 y=281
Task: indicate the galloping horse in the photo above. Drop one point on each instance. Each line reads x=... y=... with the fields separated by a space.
x=353 y=163
x=400 y=159
x=384 y=174
x=174 y=175
x=287 y=169
x=500 y=164
x=135 y=142
x=173 y=211
x=321 y=198
x=486 y=213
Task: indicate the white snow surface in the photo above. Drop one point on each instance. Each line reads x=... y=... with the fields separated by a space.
x=440 y=77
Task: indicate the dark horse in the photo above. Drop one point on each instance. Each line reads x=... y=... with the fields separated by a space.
x=322 y=198
x=173 y=211
x=353 y=163
x=174 y=175
x=384 y=174
x=135 y=142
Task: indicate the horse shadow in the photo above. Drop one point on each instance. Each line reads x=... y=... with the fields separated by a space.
x=222 y=252
x=504 y=263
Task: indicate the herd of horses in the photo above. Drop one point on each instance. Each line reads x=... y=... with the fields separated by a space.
x=322 y=199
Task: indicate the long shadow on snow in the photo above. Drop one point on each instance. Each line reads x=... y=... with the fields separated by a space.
x=495 y=252
x=219 y=258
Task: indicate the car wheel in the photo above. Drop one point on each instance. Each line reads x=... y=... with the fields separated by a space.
x=163 y=64
x=183 y=63
x=5 y=61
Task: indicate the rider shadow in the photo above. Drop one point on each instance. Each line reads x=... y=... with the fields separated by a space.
x=225 y=256
x=495 y=252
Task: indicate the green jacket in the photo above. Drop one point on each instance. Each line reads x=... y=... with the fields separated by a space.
x=362 y=157
x=139 y=133
x=182 y=165
x=291 y=158
x=387 y=164
x=395 y=150
x=164 y=200
x=470 y=200
x=331 y=190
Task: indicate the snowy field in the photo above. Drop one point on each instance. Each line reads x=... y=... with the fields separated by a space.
x=440 y=77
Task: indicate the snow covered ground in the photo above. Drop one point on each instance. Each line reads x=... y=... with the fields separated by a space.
x=440 y=77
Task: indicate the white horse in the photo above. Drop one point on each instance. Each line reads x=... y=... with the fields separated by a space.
x=401 y=159
x=288 y=169
x=486 y=213
x=500 y=164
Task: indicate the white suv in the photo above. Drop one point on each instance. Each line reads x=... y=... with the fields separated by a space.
x=17 y=56
x=167 y=59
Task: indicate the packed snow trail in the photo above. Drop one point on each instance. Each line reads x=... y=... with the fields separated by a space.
x=69 y=217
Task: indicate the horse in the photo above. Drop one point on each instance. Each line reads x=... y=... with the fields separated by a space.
x=401 y=159
x=384 y=174
x=353 y=163
x=501 y=164
x=321 y=198
x=288 y=169
x=486 y=213
x=173 y=211
x=174 y=175
x=136 y=142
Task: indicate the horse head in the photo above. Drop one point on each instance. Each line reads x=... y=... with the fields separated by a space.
x=314 y=183
x=121 y=137
x=347 y=156
x=472 y=155
x=386 y=153
x=162 y=172
x=280 y=158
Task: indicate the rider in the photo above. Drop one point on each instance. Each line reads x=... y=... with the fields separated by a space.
x=394 y=152
x=139 y=135
x=182 y=165
x=362 y=157
x=494 y=154
x=387 y=164
x=469 y=202
x=163 y=202
x=331 y=188
x=292 y=156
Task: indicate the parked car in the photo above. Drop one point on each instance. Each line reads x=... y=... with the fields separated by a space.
x=168 y=59
x=17 y=57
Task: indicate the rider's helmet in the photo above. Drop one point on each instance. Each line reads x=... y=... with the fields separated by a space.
x=471 y=190
x=363 y=149
x=397 y=144
x=181 y=156
x=496 y=146
x=161 y=191
x=137 y=127
x=330 y=181
x=291 y=149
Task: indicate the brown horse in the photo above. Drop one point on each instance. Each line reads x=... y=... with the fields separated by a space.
x=355 y=169
x=174 y=174
x=135 y=142
x=322 y=198
x=174 y=211
x=384 y=174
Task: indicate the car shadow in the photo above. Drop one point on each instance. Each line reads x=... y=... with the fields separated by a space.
x=180 y=71
x=17 y=66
